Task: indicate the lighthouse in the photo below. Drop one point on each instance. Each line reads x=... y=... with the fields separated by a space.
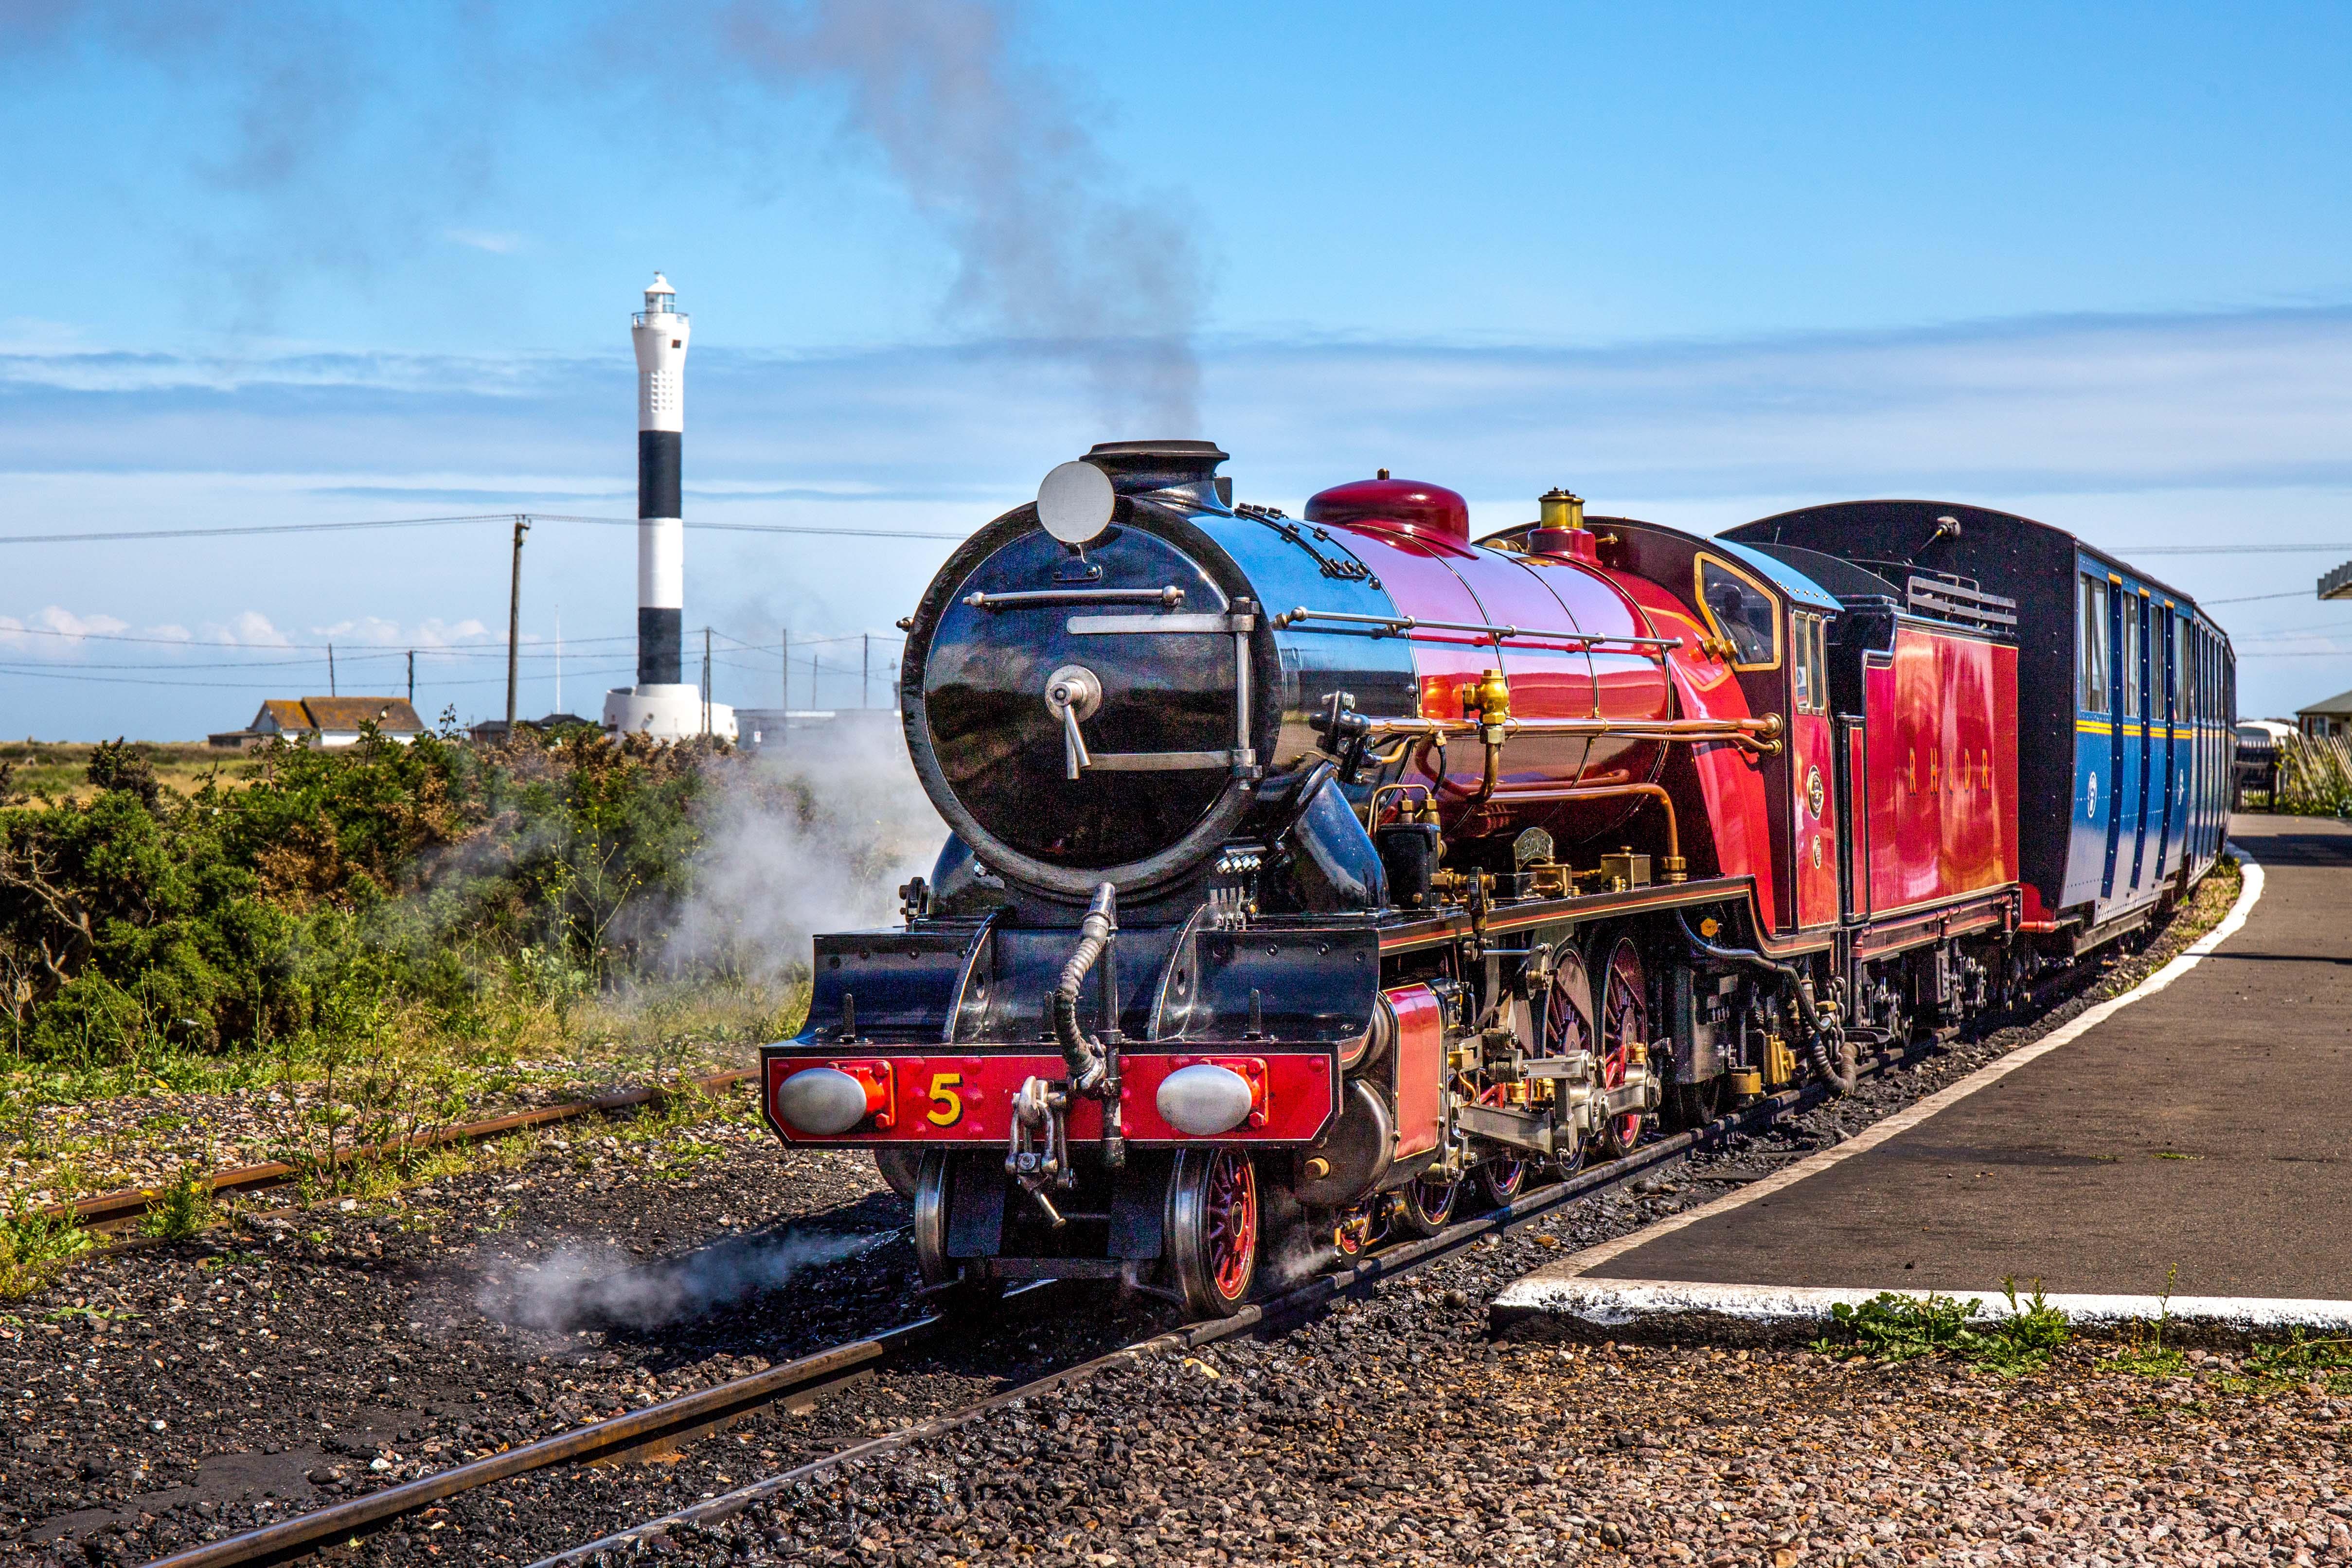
x=661 y=704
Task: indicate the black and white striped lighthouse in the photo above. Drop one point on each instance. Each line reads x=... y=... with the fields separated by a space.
x=662 y=703
x=661 y=336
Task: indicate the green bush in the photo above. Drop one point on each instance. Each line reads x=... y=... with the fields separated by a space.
x=327 y=884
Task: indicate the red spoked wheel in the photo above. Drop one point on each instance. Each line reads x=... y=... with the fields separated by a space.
x=1351 y=1232
x=1623 y=1026
x=1567 y=1028
x=1425 y=1205
x=1212 y=1230
x=1501 y=1178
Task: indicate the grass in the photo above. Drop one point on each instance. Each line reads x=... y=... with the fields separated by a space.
x=58 y=770
x=34 y=1249
x=406 y=1075
x=2301 y=1359
x=1896 y=1328
x=181 y=1209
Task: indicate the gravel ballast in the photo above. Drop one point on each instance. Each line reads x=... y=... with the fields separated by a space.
x=1393 y=1430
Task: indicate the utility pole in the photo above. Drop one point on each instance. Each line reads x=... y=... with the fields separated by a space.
x=514 y=617
x=330 y=669
x=866 y=674
x=411 y=678
x=784 y=693
x=706 y=680
x=558 y=659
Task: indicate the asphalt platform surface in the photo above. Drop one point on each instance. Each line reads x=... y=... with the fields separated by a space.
x=2204 y=1132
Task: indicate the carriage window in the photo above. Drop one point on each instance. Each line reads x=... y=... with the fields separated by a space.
x=1743 y=613
x=2090 y=644
x=2176 y=656
x=2131 y=656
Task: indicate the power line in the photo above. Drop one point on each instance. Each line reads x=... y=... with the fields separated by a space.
x=2251 y=598
x=758 y=527
x=251 y=685
x=2315 y=549
x=247 y=530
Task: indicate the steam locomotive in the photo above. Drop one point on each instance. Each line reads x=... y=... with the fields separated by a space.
x=1310 y=874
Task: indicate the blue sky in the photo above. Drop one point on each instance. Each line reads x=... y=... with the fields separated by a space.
x=319 y=262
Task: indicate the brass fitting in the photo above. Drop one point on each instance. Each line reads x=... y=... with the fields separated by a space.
x=1677 y=868
x=1494 y=699
x=1558 y=509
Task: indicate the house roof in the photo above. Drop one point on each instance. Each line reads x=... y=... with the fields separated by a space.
x=392 y=715
x=2336 y=707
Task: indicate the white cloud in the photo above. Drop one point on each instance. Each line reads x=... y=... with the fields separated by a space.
x=249 y=629
x=55 y=629
x=374 y=631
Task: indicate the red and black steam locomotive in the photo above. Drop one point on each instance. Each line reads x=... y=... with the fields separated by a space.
x=1306 y=870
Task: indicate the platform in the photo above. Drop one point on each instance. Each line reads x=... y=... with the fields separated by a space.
x=2195 y=1132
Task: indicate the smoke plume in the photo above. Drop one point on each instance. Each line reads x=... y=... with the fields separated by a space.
x=602 y=1288
x=333 y=149
x=1000 y=158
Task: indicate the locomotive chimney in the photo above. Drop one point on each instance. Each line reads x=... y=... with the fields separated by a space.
x=1137 y=467
x=1559 y=527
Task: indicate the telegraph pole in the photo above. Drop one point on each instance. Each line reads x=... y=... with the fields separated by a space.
x=514 y=617
x=411 y=678
x=866 y=674
x=330 y=669
x=785 y=690
x=706 y=680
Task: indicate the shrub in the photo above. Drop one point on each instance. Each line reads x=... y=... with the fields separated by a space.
x=253 y=912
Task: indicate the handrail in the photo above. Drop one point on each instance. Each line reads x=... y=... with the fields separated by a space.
x=1396 y=625
x=1171 y=596
x=1748 y=734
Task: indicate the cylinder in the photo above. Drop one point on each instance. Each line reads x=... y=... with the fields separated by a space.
x=660 y=334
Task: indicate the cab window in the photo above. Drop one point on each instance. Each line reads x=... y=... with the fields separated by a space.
x=2090 y=644
x=1801 y=668
x=1743 y=614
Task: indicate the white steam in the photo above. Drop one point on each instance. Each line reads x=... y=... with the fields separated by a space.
x=820 y=839
x=601 y=1287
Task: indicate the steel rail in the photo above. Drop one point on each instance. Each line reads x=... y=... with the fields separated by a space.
x=131 y=1203
x=688 y=1413
x=812 y=1376
x=1353 y=1278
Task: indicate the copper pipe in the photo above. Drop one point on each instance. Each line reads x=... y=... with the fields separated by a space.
x=1675 y=863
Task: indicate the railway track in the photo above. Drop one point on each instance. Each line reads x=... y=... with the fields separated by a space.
x=804 y=1381
x=110 y=1212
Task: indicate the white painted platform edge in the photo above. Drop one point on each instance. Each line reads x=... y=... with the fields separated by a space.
x=1613 y=1303
x=1902 y=1122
